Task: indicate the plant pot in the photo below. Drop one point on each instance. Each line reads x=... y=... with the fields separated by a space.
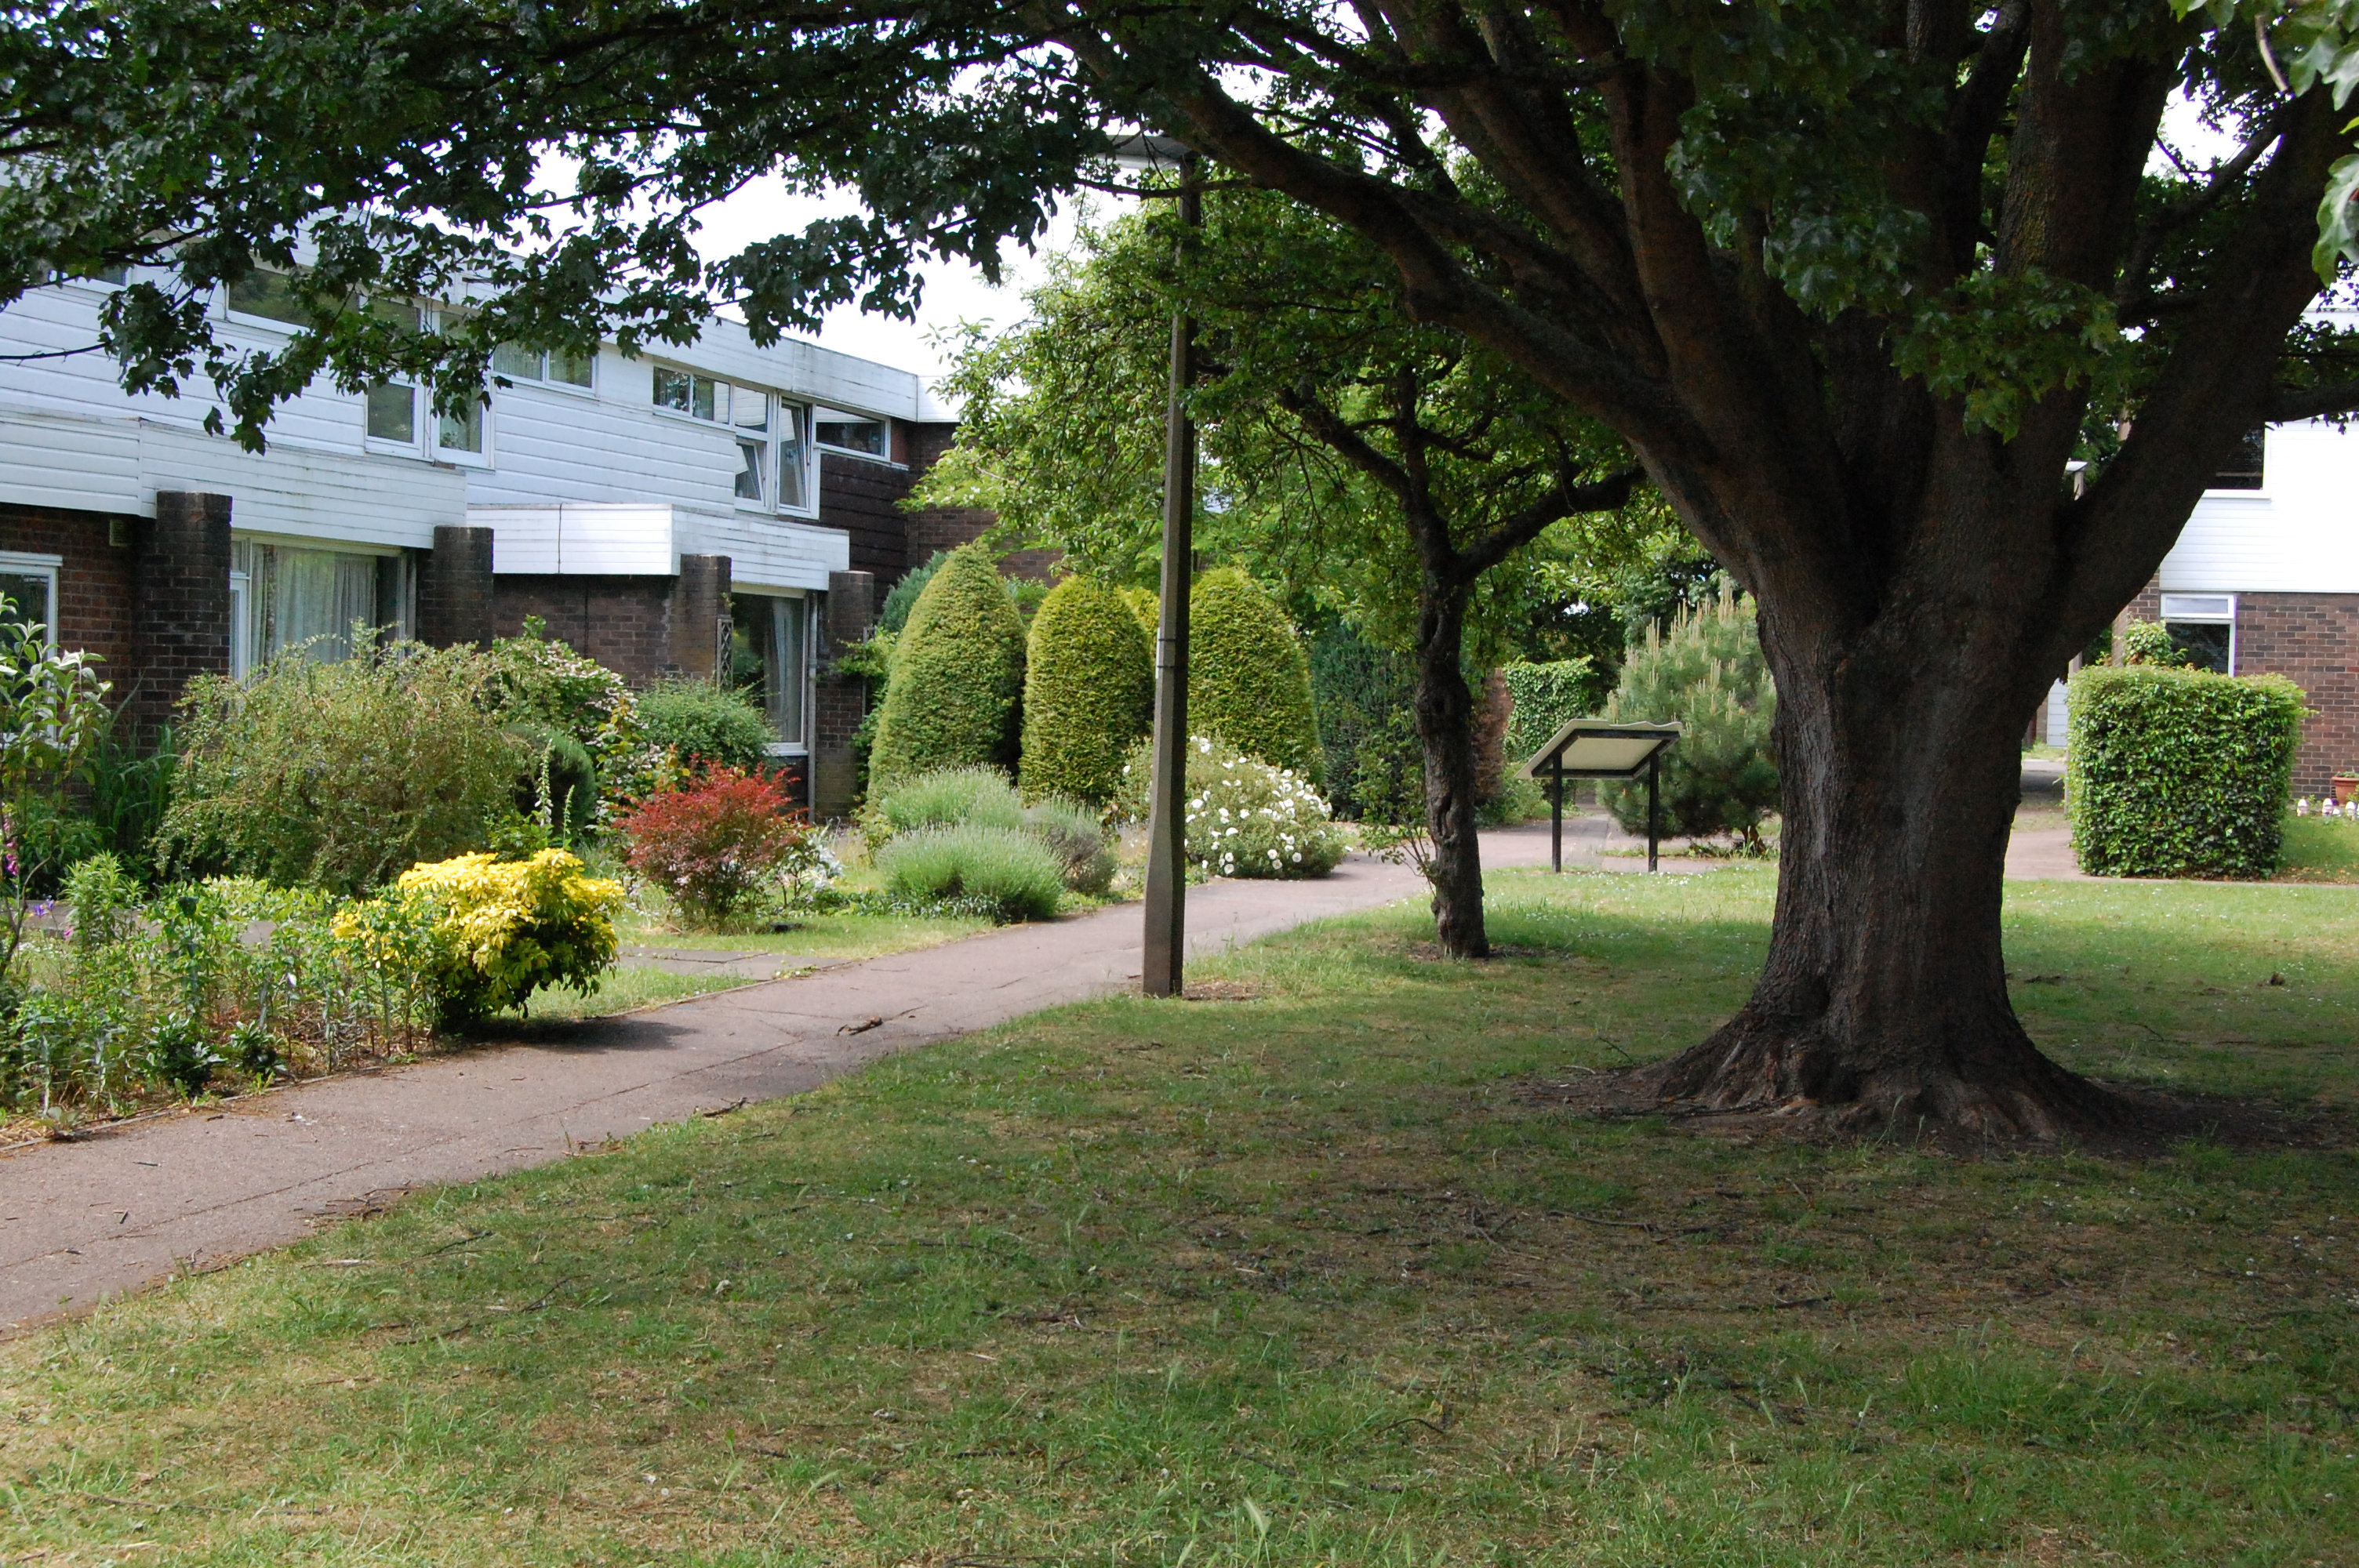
x=2346 y=785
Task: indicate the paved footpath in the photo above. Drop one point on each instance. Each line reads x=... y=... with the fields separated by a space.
x=85 y=1220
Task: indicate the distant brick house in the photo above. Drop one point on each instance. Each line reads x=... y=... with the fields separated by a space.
x=719 y=509
x=2265 y=579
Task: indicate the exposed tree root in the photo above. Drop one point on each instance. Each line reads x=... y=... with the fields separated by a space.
x=1755 y=1080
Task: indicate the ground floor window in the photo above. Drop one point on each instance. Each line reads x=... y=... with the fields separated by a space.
x=30 y=583
x=769 y=653
x=2203 y=627
x=291 y=596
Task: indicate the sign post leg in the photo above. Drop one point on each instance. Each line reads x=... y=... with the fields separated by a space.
x=1556 y=816
x=1653 y=807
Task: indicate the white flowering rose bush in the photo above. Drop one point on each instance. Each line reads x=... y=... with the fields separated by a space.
x=1245 y=817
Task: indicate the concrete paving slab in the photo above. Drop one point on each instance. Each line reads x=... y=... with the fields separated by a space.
x=101 y=1216
x=751 y=965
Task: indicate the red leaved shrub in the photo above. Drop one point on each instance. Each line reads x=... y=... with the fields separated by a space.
x=713 y=839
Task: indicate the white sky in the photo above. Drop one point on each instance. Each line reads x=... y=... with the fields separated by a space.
x=954 y=291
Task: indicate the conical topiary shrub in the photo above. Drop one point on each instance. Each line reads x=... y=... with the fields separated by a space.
x=958 y=677
x=1248 y=678
x=1089 y=691
x=1709 y=674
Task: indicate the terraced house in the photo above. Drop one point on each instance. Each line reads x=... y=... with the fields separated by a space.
x=721 y=509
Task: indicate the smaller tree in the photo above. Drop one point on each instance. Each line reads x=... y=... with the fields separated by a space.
x=958 y=676
x=1708 y=674
x=52 y=711
x=1089 y=691
x=342 y=775
x=714 y=842
x=1248 y=678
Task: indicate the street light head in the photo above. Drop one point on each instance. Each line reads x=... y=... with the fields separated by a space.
x=1146 y=152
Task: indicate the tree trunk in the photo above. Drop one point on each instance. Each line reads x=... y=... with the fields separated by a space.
x=1445 y=725
x=1884 y=1001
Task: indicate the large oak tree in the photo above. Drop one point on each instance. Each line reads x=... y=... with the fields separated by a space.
x=1857 y=281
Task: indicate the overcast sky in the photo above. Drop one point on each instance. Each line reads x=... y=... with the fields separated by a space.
x=954 y=292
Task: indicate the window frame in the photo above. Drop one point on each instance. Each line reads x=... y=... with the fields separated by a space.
x=40 y=564
x=880 y=421
x=2191 y=615
x=807 y=695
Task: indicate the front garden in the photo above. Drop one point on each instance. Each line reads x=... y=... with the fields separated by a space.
x=1322 y=1272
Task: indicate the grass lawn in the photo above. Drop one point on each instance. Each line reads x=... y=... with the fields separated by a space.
x=2320 y=851
x=1309 y=1276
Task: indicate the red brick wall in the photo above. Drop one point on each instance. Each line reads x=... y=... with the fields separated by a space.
x=2311 y=639
x=642 y=627
x=94 y=586
x=947 y=527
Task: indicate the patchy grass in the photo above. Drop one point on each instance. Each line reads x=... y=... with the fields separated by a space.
x=2318 y=850
x=1306 y=1278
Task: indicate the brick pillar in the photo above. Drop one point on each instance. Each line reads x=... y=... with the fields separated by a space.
x=179 y=595
x=840 y=702
x=454 y=590
x=698 y=617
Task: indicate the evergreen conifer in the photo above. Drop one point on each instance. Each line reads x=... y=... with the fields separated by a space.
x=958 y=676
x=1089 y=691
x=1248 y=678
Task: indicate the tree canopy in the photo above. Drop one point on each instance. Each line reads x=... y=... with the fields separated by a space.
x=1061 y=426
x=1857 y=282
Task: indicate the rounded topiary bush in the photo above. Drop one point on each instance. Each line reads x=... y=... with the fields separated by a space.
x=958 y=677
x=1248 y=678
x=1089 y=691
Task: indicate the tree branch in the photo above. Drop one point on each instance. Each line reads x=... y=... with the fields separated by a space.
x=2289 y=403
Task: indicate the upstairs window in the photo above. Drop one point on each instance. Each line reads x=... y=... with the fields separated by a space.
x=2247 y=466
x=270 y=295
x=866 y=437
x=794 y=457
x=559 y=367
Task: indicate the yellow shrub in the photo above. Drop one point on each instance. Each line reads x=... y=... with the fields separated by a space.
x=506 y=928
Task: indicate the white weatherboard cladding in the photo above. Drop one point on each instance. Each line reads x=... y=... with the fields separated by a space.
x=2298 y=535
x=69 y=460
x=70 y=438
x=308 y=494
x=768 y=552
x=580 y=539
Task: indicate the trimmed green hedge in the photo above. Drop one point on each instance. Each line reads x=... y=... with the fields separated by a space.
x=2177 y=773
x=1248 y=678
x=958 y=677
x=1089 y=691
x=1544 y=696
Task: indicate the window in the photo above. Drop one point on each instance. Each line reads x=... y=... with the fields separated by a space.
x=794 y=457
x=29 y=584
x=2247 y=466
x=769 y=652
x=285 y=596
x=866 y=435
x=462 y=432
x=561 y=367
x=2203 y=627
x=752 y=456
x=708 y=397
x=270 y=295
x=393 y=413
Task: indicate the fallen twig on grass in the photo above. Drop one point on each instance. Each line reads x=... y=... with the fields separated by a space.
x=485 y=1321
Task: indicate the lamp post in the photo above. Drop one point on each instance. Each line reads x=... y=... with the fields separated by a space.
x=1165 y=948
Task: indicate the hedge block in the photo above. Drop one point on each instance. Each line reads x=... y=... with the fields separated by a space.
x=2176 y=773
x=958 y=676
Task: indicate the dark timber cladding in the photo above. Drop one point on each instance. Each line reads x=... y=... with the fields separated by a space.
x=863 y=498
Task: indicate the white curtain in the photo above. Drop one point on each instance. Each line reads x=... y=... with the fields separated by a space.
x=319 y=594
